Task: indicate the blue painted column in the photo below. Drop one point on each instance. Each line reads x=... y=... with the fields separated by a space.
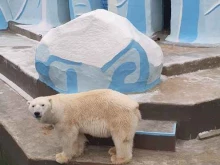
x=145 y=15
x=105 y=4
x=3 y=22
x=79 y=7
x=189 y=23
x=136 y=14
x=195 y=22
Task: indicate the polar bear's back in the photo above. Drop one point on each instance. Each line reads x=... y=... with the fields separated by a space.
x=99 y=101
x=98 y=112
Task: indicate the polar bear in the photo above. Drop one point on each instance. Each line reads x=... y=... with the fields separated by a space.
x=99 y=113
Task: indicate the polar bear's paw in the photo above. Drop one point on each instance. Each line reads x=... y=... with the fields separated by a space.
x=112 y=151
x=116 y=160
x=61 y=158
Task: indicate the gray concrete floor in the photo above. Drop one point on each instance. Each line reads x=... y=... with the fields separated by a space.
x=41 y=144
x=185 y=89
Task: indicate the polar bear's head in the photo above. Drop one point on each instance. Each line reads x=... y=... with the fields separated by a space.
x=40 y=108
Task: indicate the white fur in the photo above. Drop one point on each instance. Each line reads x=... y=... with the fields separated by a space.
x=100 y=113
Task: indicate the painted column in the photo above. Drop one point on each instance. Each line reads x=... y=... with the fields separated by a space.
x=3 y=22
x=79 y=7
x=195 y=22
x=33 y=12
x=5 y=14
x=145 y=15
x=57 y=12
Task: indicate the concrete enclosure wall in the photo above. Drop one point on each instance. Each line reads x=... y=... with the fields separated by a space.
x=52 y=12
x=145 y=15
x=192 y=21
x=195 y=21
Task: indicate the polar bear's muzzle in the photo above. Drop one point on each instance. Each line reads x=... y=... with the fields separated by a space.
x=37 y=115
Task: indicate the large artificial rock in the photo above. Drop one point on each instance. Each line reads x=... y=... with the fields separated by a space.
x=145 y=15
x=195 y=21
x=99 y=49
x=79 y=7
x=33 y=12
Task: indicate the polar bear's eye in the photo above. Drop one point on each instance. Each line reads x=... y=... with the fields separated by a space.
x=42 y=105
x=33 y=106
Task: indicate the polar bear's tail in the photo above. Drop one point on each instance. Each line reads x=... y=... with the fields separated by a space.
x=138 y=113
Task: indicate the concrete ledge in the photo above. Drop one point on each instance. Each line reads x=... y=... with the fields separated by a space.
x=171 y=105
x=27 y=142
x=178 y=98
x=160 y=134
x=192 y=66
x=178 y=59
x=12 y=26
x=151 y=135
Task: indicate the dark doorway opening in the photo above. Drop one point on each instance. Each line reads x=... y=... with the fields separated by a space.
x=166 y=15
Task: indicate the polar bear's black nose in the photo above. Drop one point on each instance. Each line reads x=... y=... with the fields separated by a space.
x=37 y=114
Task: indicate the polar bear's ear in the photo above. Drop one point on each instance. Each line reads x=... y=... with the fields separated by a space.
x=50 y=100
x=28 y=102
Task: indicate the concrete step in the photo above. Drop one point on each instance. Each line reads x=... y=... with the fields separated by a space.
x=191 y=99
x=177 y=59
x=24 y=30
x=29 y=139
x=151 y=135
x=24 y=141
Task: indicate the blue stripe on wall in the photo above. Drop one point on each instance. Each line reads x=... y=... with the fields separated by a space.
x=189 y=23
x=136 y=14
x=72 y=16
x=20 y=14
x=3 y=23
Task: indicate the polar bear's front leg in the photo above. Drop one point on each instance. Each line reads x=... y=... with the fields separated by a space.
x=80 y=144
x=68 y=138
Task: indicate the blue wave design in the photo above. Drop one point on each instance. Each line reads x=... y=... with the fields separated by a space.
x=71 y=81
x=43 y=70
x=127 y=68
x=22 y=11
x=119 y=5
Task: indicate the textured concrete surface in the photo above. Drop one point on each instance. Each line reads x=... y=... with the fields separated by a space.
x=186 y=89
x=39 y=144
x=177 y=59
x=28 y=32
x=156 y=126
x=19 y=50
x=179 y=55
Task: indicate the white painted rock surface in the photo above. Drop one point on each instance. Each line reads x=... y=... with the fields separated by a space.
x=98 y=50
